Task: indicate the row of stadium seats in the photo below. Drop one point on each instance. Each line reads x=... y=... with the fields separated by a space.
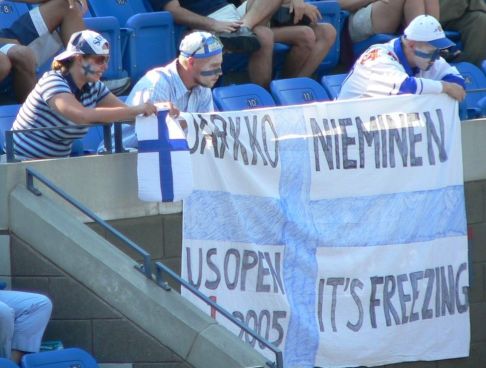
x=305 y=90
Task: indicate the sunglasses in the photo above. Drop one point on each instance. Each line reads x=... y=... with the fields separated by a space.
x=100 y=59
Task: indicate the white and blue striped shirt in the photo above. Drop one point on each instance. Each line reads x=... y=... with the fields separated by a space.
x=36 y=113
x=164 y=84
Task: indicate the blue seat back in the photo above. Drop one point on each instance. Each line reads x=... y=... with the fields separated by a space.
x=7 y=117
x=71 y=357
x=331 y=13
x=10 y=11
x=151 y=43
x=297 y=91
x=7 y=363
x=122 y=10
x=241 y=97
x=332 y=84
x=475 y=79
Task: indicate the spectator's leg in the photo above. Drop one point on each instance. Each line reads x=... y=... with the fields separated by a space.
x=23 y=63
x=56 y=13
x=5 y=66
x=310 y=46
x=260 y=63
x=32 y=313
x=258 y=12
x=472 y=26
x=6 y=329
x=414 y=8
x=386 y=17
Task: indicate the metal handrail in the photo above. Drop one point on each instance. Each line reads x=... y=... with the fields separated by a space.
x=146 y=268
x=9 y=141
x=160 y=269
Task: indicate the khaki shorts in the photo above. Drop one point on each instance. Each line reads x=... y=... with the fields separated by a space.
x=360 y=25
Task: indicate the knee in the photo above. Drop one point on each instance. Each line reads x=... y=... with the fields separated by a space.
x=62 y=8
x=265 y=37
x=5 y=66
x=326 y=32
x=22 y=58
x=7 y=318
x=44 y=305
x=307 y=38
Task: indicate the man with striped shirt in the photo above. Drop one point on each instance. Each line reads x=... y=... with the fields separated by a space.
x=183 y=85
x=410 y=64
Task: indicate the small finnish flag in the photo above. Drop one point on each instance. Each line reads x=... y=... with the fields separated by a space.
x=164 y=167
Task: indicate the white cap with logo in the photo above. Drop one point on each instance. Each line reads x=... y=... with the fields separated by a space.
x=200 y=45
x=425 y=28
x=85 y=42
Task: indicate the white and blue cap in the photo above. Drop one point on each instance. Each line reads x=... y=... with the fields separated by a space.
x=85 y=42
x=200 y=45
x=425 y=28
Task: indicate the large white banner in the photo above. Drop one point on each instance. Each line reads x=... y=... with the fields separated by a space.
x=336 y=230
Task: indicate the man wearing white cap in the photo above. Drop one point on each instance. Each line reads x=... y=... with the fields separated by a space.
x=410 y=64
x=183 y=85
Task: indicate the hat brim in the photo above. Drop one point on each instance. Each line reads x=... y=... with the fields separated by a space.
x=442 y=43
x=64 y=55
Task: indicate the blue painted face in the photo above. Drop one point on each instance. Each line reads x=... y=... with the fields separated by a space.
x=431 y=56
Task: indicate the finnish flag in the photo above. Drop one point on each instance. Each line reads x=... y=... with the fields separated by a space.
x=164 y=167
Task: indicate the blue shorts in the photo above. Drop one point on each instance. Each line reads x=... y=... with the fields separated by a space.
x=25 y=29
x=31 y=30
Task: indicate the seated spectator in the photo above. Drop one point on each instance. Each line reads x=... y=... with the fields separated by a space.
x=408 y=64
x=469 y=18
x=23 y=319
x=249 y=33
x=369 y=17
x=71 y=96
x=310 y=41
x=184 y=84
x=32 y=39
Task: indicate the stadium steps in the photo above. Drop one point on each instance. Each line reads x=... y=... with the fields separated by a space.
x=48 y=228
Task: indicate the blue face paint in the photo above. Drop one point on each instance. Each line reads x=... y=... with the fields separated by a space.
x=210 y=73
x=432 y=56
x=88 y=69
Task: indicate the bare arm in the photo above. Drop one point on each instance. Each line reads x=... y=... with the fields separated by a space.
x=108 y=111
x=192 y=20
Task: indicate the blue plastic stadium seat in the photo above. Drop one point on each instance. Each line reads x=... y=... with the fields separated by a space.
x=7 y=363
x=241 y=97
x=333 y=83
x=7 y=117
x=122 y=10
x=475 y=79
x=151 y=42
x=144 y=35
x=71 y=357
x=483 y=66
x=297 y=91
x=360 y=47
